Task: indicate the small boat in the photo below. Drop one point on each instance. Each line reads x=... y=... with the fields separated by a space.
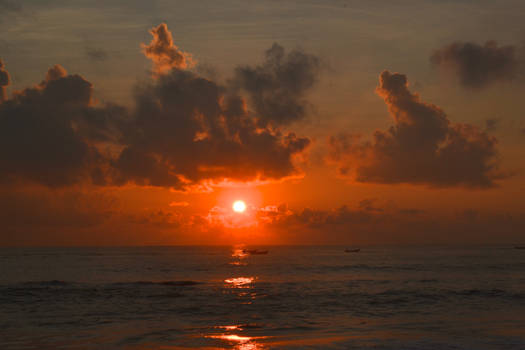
x=254 y=251
x=520 y=247
x=356 y=250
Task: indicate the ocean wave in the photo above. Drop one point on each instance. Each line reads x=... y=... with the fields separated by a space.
x=366 y=267
x=160 y=283
x=51 y=283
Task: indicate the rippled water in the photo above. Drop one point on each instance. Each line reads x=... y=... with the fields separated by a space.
x=291 y=298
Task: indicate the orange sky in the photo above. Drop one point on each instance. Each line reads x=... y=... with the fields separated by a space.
x=322 y=151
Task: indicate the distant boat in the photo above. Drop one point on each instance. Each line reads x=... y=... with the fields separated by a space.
x=254 y=251
x=520 y=247
x=356 y=250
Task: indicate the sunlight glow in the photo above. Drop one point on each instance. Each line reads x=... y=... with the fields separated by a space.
x=239 y=206
x=240 y=281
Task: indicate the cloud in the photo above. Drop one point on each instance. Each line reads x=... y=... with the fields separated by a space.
x=477 y=65
x=164 y=54
x=492 y=124
x=96 y=55
x=183 y=132
x=390 y=225
x=422 y=147
x=39 y=216
x=4 y=82
x=187 y=129
x=46 y=133
x=277 y=87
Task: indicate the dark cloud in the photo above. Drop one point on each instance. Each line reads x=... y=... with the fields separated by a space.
x=491 y=124
x=187 y=129
x=478 y=65
x=45 y=133
x=4 y=82
x=184 y=130
x=164 y=54
x=96 y=55
x=277 y=87
x=422 y=147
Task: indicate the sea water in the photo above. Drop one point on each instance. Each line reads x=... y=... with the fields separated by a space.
x=294 y=297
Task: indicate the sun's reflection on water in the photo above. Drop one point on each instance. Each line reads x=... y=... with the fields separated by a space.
x=240 y=282
x=241 y=342
x=239 y=252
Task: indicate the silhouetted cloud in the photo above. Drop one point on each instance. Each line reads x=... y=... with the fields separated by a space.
x=96 y=55
x=187 y=129
x=277 y=87
x=4 y=82
x=184 y=131
x=478 y=65
x=45 y=132
x=423 y=146
x=164 y=54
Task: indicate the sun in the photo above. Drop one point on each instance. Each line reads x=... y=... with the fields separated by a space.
x=239 y=206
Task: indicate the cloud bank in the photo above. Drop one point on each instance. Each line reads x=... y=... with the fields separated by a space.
x=184 y=130
x=422 y=147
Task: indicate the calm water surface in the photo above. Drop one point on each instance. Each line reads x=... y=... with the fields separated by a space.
x=291 y=298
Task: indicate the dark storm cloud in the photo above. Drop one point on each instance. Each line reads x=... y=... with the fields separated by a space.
x=277 y=87
x=422 y=147
x=96 y=55
x=4 y=81
x=478 y=65
x=185 y=130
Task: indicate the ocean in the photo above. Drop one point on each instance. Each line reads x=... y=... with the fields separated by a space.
x=294 y=297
